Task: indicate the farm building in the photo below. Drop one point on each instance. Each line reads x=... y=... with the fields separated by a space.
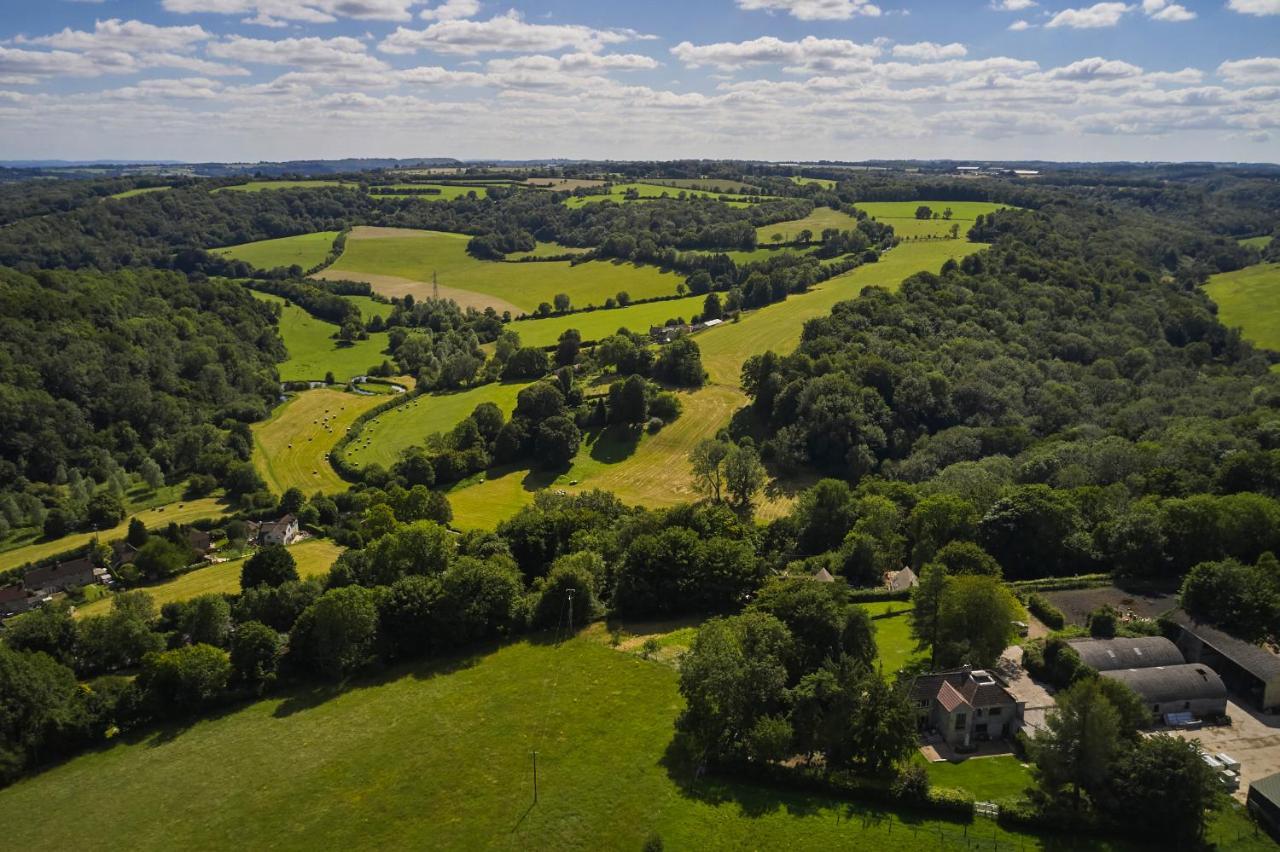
x=62 y=576
x=1188 y=688
x=15 y=599
x=1143 y=652
x=965 y=706
x=1264 y=803
x=1250 y=670
x=901 y=581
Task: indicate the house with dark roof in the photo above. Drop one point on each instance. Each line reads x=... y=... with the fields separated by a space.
x=16 y=599
x=1249 y=670
x=284 y=531
x=200 y=541
x=124 y=552
x=1167 y=690
x=965 y=706
x=1140 y=652
x=61 y=576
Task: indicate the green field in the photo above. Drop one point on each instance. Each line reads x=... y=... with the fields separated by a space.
x=305 y=250
x=546 y=250
x=819 y=219
x=130 y=193
x=313 y=351
x=399 y=261
x=260 y=185
x=289 y=447
x=448 y=192
x=369 y=308
x=618 y=193
x=1249 y=298
x=438 y=757
x=597 y=325
x=715 y=186
x=1257 y=242
x=825 y=183
x=181 y=512
x=383 y=438
x=314 y=556
x=985 y=778
x=902 y=216
x=894 y=646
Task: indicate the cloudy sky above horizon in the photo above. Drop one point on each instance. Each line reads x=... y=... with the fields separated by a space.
x=234 y=80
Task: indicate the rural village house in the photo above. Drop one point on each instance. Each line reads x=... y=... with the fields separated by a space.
x=283 y=531
x=965 y=706
x=63 y=575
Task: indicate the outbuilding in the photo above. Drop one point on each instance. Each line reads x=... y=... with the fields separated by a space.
x=1250 y=670
x=1188 y=688
x=1141 y=652
x=1264 y=803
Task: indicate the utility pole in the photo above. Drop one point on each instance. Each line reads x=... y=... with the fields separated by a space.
x=535 y=778
x=435 y=286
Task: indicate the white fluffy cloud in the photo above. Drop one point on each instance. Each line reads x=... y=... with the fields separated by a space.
x=508 y=33
x=1095 y=68
x=1011 y=5
x=323 y=54
x=1163 y=10
x=451 y=9
x=273 y=13
x=815 y=10
x=1019 y=26
x=808 y=52
x=129 y=36
x=928 y=51
x=1257 y=70
x=1255 y=7
x=1090 y=17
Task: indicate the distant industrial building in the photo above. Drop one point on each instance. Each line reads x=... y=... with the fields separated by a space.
x=1249 y=670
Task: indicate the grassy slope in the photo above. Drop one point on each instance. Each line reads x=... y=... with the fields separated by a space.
x=648 y=190
x=1257 y=242
x=428 y=757
x=407 y=425
x=130 y=193
x=182 y=512
x=545 y=250
x=902 y=216
x=314 y=556
x=305 y=250
x=260 y=185
x=448 y=192
x=289 y=448
x=821 y=217
x=313 y=351
x=597 y=325
x=825 y=183
x=655 y=471
x=369 y=308
x=1250 y=298
x=417 y=254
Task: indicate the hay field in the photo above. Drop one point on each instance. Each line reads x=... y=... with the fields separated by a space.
x=289 y=448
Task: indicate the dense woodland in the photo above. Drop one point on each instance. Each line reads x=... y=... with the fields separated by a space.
x=1064 y=402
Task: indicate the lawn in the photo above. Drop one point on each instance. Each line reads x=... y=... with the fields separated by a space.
x=314 y=556
x=894 y=646
x=382 y=439
x=289 y=448
x=130 y=193
x=305 y=250
x=902 y=216
x=985 y=778
x=260 y=185
x=597 y=325
x=313 y=351
x=182 y=512
x=1250 y=299
x=399 y=261
x=820 y=218
x=438 y=756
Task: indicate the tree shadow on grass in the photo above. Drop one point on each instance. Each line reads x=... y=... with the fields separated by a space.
x=613 y=444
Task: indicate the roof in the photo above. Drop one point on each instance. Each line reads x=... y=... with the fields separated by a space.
x=824 y=576
x=1268 y=788
x=1254 y=659
x=58 y=573
x=1187 y=682
x=279 y=526
x=975 y=688
x=12 y=593
x=900 y=580
x=1141 y=652
x=949 y=697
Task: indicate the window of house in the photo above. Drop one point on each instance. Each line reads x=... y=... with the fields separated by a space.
x=961 y=720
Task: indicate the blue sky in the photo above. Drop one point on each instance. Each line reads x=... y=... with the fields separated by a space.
x=775 y=79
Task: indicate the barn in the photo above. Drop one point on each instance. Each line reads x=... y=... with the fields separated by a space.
x=1250 y=670
x=1188 y=688
x=1140 y=652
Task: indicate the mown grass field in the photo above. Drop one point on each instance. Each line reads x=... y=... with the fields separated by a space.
x=654 y=470
x=820 y=218
x=448 y=191
x=289 y=448
x=314 y=557
x=305 y=250
x=1250 y=299
x=825 y=183
x=382 y=439
x=985 y=778
x=313 y=351
x=260 y=185
x=180 y=512
x=369 y=308
x=597 y=325
x=715 y=186
x=894 y=646
x=546 y=250
x=1257 y=242
x=401 y=261
x=437 y=756
x=618 y=193
x=130 y=193
x=902 y=216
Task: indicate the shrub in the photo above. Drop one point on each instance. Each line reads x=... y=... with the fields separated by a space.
x=1046 y=612
x=912 y=785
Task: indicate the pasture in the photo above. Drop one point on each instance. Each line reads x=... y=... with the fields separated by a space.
x=716 y=186
x=314 y=351
x=369 y=307
x=437 y=756
x=644 y=191
x=289 y=447
x=144 y=190
x=825 y=183
x=545 y=250
x=314 y=556
x=563 y=184
x=819 y=219
x=448 y=191
x=383 y=438
x=260 y=185
x=902 y=216
x=398 y=261
x=1259 y=243
x=304 y=250
x=654 y=470
x=1249 y=298
x=597 y=325
x=180 y=512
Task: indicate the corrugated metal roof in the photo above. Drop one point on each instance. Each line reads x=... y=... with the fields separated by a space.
x=1142 y=652
x=1187 y=682
x=1256 y=660
x=1268 y=788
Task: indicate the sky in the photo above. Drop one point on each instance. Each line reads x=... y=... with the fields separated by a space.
x=250 y=80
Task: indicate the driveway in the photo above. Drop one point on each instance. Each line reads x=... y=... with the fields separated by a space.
x=1037 y=697
x=1252 y=738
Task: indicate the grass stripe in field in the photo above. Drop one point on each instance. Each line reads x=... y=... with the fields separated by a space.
x=289 y=448
x=314 y=557
x=1250 y=299
x=181 y=512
